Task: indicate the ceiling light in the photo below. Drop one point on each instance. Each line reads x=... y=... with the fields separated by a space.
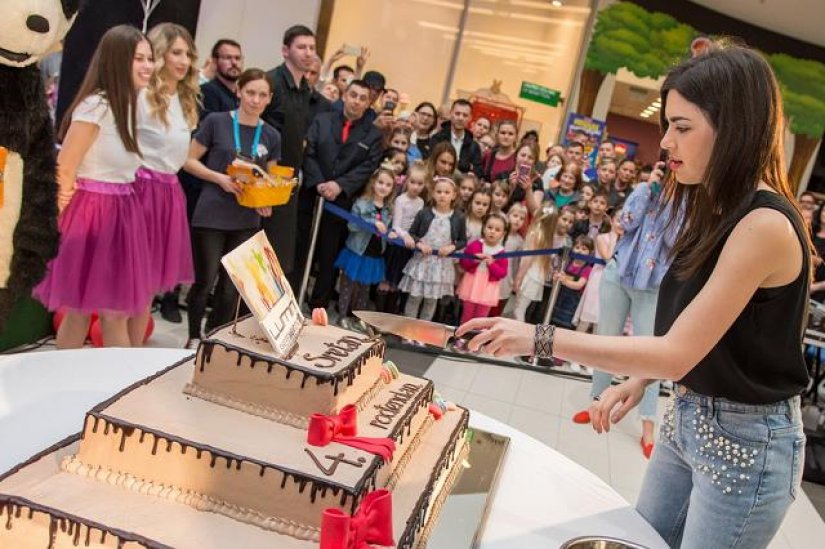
x=657 y=103
x=557 y=3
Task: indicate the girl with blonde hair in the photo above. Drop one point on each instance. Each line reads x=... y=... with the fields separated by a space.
x=167 y=112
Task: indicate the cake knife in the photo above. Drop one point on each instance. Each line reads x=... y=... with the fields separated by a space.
x=424 y=331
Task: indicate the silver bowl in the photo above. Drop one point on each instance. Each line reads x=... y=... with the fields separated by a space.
x=599 y=542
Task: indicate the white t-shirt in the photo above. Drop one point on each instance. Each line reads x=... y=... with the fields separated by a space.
x=164 y=148
x=107 y=159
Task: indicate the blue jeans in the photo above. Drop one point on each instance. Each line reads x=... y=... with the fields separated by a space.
x=616 y=301
x=723 y=473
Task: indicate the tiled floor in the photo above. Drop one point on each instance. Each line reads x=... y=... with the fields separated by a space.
x=541 y=406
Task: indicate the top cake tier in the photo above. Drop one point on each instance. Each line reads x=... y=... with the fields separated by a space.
x=329 y=369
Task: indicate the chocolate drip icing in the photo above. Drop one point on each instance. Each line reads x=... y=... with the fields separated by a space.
x=347 y=374
x=418 y=518
x=71 y=525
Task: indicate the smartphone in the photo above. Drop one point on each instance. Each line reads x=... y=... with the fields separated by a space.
x=524 y=170
x=389 y=106
x=355 y=51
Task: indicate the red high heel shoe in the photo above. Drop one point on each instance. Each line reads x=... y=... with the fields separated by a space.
x=647 y=449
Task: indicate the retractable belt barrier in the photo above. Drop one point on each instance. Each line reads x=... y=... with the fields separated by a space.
x=370 y=227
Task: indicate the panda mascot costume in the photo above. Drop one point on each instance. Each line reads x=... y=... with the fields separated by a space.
x=29 y=29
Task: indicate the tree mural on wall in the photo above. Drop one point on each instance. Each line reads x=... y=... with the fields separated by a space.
x=626 y=35
x=802 y=82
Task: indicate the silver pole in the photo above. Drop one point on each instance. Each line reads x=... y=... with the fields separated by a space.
x=554 y=295
x=316 y=224
x=459 y=38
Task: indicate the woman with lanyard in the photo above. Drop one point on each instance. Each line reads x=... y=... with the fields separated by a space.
x=219 y=223
x=729 y=320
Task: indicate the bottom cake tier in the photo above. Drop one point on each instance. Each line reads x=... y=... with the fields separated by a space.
x=42 y=506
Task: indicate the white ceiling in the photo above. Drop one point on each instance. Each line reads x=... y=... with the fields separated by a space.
x=800 y=19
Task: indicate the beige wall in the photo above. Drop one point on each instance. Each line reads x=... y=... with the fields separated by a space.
x=258 y=25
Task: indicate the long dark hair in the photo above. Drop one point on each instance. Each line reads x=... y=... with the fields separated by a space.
x=110 y=74
x=737 y=90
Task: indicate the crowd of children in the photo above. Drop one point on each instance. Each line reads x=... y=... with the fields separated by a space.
x=428 y=211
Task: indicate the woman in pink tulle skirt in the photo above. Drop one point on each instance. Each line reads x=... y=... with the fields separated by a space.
x=103 y=262
x=167 y=113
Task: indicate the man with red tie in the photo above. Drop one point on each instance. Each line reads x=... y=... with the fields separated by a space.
x=342 y=150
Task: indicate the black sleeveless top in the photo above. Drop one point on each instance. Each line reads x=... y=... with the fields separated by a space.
x=759 y=359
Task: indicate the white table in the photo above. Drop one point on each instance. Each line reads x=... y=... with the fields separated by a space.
x=542 y=499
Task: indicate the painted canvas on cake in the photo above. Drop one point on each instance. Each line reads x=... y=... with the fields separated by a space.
x=256 y=272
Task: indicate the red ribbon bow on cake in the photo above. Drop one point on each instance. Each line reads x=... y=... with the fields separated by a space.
x=343 y=428
x=371 y=524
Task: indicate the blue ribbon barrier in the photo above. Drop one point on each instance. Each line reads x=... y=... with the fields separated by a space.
x=369 y=227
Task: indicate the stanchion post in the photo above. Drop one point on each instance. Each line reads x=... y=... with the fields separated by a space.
x=554 y=295
x=316 y=224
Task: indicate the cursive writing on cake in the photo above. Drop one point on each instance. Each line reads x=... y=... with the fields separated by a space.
x=336 y=352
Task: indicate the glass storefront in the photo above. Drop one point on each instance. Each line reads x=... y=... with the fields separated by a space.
x=439 y=50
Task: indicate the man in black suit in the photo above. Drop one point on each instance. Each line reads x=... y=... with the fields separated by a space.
x=290 y=112
x=455 y=131
x=343 y=149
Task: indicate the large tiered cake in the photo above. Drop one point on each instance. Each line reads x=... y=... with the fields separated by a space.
x=235 y=447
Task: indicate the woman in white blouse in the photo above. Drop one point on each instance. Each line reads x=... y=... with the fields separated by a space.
x=166 y=115
x=102 y=264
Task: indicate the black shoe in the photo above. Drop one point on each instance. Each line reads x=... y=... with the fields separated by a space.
x=169 y=309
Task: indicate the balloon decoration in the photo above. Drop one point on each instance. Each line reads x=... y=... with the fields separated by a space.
x=95 y=332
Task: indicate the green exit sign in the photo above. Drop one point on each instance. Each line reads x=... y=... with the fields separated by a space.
x=540 y=94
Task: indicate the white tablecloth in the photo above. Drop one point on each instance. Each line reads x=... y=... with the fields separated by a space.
x=542 y=498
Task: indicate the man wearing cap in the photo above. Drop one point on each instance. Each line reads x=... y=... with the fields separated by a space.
x=376 y=83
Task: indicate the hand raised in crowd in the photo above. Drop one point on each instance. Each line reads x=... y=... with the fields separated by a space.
x=264 y=212
x=424 y=248
x=338 y=55
x=362 y=59
x=329 y=190
x=658 y=174
x=409 y=242
x=228 y=184
x=380 y=227
x=444 y=251
x=500 y=336
x=384 y=121
x=626 y=396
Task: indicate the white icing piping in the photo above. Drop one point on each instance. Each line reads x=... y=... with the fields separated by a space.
x=438 y=502
x=401 y=466
x=266 y=412
x=281 y=416
x=201 y=502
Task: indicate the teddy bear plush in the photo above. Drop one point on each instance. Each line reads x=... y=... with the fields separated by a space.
x=29 y=29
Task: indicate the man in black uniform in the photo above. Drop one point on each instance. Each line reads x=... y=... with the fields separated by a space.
x=343 y=149
x=290 y=112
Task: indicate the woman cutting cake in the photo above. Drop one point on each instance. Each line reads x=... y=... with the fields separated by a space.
x=729 y=320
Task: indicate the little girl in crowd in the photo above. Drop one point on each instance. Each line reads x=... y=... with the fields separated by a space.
x=438 y=232
x=479 y=288
x=516 y=217
x=534 y=270
x=573 y=281
x=396 y=160
x=479 y=207
x=362 y=259
x=500 y=196
x=406 y=207
x=587 y=314
x=570 y=181
x=467 y=185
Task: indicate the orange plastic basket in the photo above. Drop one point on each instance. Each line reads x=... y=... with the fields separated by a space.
x=259 y=189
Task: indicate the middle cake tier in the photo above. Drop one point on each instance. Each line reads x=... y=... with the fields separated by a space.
x=243 y=466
